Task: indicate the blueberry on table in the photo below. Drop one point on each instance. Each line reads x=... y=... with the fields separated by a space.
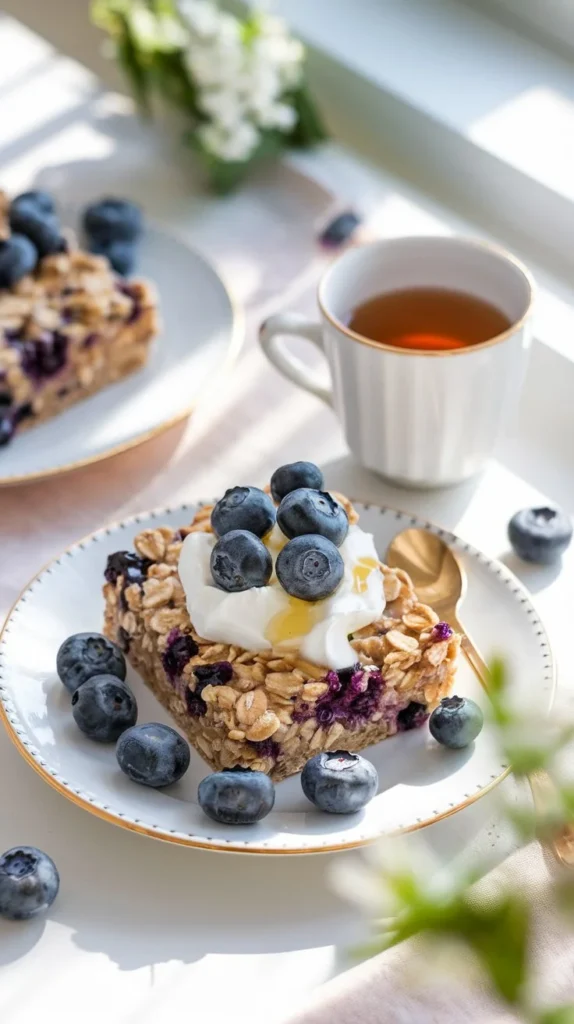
x=85 y=655
x=240 y=561
x=153 y=754
x=310 y=567
x=18 y=257
x=456 y=722
x=243 y=508
x=338 y=782
x=340 y=229
x=29 y=883
x=309 y=511
x=122 y=255
x=43 y=229
x=103 y=708
x=236 y=796
x=43 y=201
x=113 y=220
x=540 y=534
x=294 y=475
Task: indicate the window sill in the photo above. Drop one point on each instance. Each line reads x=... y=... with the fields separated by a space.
x=461 y=106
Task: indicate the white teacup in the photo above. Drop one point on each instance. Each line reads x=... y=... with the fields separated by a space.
x=422 y=419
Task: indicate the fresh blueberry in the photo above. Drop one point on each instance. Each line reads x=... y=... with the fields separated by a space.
x=294 y=475
x=43 y=229
x=339 y=782
x=540 y=534
x=308 y=511
x=236 y=796
x=153 y=754
x=310 y=567
x=121 y=254
x=113 y=220
x=85 y=655
x=456 y=722
x=18 y=257
x=240 y=561
x=43 y=201
x=29 y=883
x=243 y=508
x=104 y=707
x=340 y=229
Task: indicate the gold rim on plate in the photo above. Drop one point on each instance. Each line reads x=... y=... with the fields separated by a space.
x=230 y=847
x=237 y=336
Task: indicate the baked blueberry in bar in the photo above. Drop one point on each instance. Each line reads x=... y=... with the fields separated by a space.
x=69 y=325
x=272 y=709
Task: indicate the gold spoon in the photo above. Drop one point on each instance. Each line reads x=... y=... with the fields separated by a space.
x=440 y=581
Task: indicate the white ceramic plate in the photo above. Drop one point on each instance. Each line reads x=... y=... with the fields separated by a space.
x=420 y=782
x=201 y=330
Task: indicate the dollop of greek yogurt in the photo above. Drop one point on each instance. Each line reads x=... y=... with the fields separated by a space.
x=265 y=617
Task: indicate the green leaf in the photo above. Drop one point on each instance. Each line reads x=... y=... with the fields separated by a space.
x=498 y=936
x=559 y=1015
x=309 y=128
x=497 y=677
x=134 y=67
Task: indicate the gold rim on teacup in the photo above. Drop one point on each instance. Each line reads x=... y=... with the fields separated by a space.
x=478 y=243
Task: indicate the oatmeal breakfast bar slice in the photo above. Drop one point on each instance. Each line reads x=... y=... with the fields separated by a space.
x=67 y=330
x=270 y=710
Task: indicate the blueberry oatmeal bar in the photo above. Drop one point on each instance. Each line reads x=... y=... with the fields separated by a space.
x=272 y=709
x=68 y=326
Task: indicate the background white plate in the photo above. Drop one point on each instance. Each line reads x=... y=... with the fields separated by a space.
x=200 y=329
x=419 y=781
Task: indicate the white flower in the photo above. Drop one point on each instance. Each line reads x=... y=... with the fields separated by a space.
x=271 y=25
x=277 y=115
x=212 y=66
x=260 y=85
x=284 y=54
x=225 y=106
x=201 y=16
x=237 y=145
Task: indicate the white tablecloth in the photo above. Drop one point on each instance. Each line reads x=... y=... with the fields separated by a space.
x=143 y=931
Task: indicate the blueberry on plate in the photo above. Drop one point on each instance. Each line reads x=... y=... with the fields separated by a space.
x=540 y=534
x=456 y=722
x=43 y=229
x=103 y=708
x=308 y=511
x=113 y=220
x=309 y=567
x=85 y=655
x=240 y=561
x=236 y=796
x=18 y=257
x=122 y=255
x=29 y=883
x=43 y=201
x=338 y=782
x=153 y=754
x=243 y=508
x=294 y=475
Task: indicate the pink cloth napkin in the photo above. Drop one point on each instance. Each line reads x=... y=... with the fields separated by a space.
x=397 y=987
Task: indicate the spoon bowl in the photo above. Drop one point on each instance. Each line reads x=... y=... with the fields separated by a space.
x=437 y=575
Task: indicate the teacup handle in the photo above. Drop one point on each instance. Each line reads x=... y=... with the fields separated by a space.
x=289 y=365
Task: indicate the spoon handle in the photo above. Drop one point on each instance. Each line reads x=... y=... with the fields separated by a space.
x=470 y=652
x=542 y=787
